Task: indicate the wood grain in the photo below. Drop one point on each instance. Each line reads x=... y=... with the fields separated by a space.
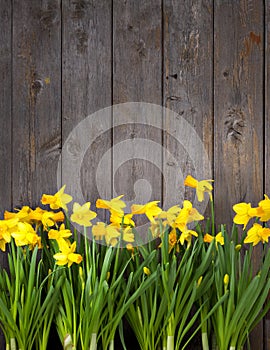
x=267 y=137
x=86 y=84
x=5 y=104
x=6 y=117
x=137 y=67
x=37 y=99
x=238 y=111
x=188 y=91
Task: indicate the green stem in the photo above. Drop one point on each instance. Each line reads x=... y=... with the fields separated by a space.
x=93 y=345
x=16 y=288
x=111 y=345
x=74 y=315
x=13 y=344
x=205 y=344
x=86 y=248
x=170 y=342
x=212 y=216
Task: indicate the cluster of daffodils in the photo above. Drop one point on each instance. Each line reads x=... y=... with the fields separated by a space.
x=244 y=212
x=24 y=225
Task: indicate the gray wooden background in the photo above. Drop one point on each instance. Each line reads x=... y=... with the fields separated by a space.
x=206 y=60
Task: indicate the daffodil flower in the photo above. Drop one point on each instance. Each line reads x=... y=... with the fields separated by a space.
x=22 y=214
x=244 y=213
x=25 y=235
x=257 y=234
x=128 y=235
x=147 y=271
x=264 y=209
x=6 y=228
x=150 y=209
x=218 y=238
x=110 y=233
x=187 y=215
x=82 y=214
x=186 y=235
x=67 y=255
x=170 y=215
x=200 y=186
x=115 y=204
x=121 y=220
x=173 y=240
x=59 y=235
x=59 y=200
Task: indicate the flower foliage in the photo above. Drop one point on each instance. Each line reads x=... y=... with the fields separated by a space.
x=190 y=272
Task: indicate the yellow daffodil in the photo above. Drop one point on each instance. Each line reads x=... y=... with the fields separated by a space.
x=146 y=271
x=99 y=230
x=58 y=200
x=128 y=235
x=111 y=236
x=59 y=235
x=115 y=205
x=201 y=187
x=67 y=255
x=25 y=235
x=108 y=232
x=121 y=220
x=22 y=214
x=187 y=215
x=173 y=240
x=218 y=238
x=150 y=209
x=186 y=235
x=82 y=214
x=6 y=228
x=257 y=234
x=264 y=209
x=244 y=213
x=170 y=215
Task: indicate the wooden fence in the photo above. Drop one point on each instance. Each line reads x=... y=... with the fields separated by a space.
x=209 y=61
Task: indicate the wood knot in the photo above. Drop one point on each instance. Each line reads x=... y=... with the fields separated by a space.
x=80 y=7
x=234 y=123
x=82 y=37
x=36 y=86
x=141 y=48
x=48 y=17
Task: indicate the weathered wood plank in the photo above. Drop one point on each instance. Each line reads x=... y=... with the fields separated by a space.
x=36 y=99
x=188 y=91
x=238 y=111
x=137 y=69
x=267 y=137
x=5 y=104
x=6 y=117
x=86 y=89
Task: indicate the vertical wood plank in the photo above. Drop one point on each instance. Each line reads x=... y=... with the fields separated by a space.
x=188 y=88
x=267 y=136
x=36 y=99
x=238 y=84
x=6 y=116
x=5 y=104
x=87 y=87
x=137 y=71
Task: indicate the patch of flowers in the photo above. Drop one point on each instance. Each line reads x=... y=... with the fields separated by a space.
x=190 y=277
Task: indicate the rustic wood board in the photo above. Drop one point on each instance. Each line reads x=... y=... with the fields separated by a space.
x=36 y=99
x=137 y=70
x=238 y=111
x=187 y=81
x=267 y=136
x=5 y=104
x=6 y=116
x=86 y=84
